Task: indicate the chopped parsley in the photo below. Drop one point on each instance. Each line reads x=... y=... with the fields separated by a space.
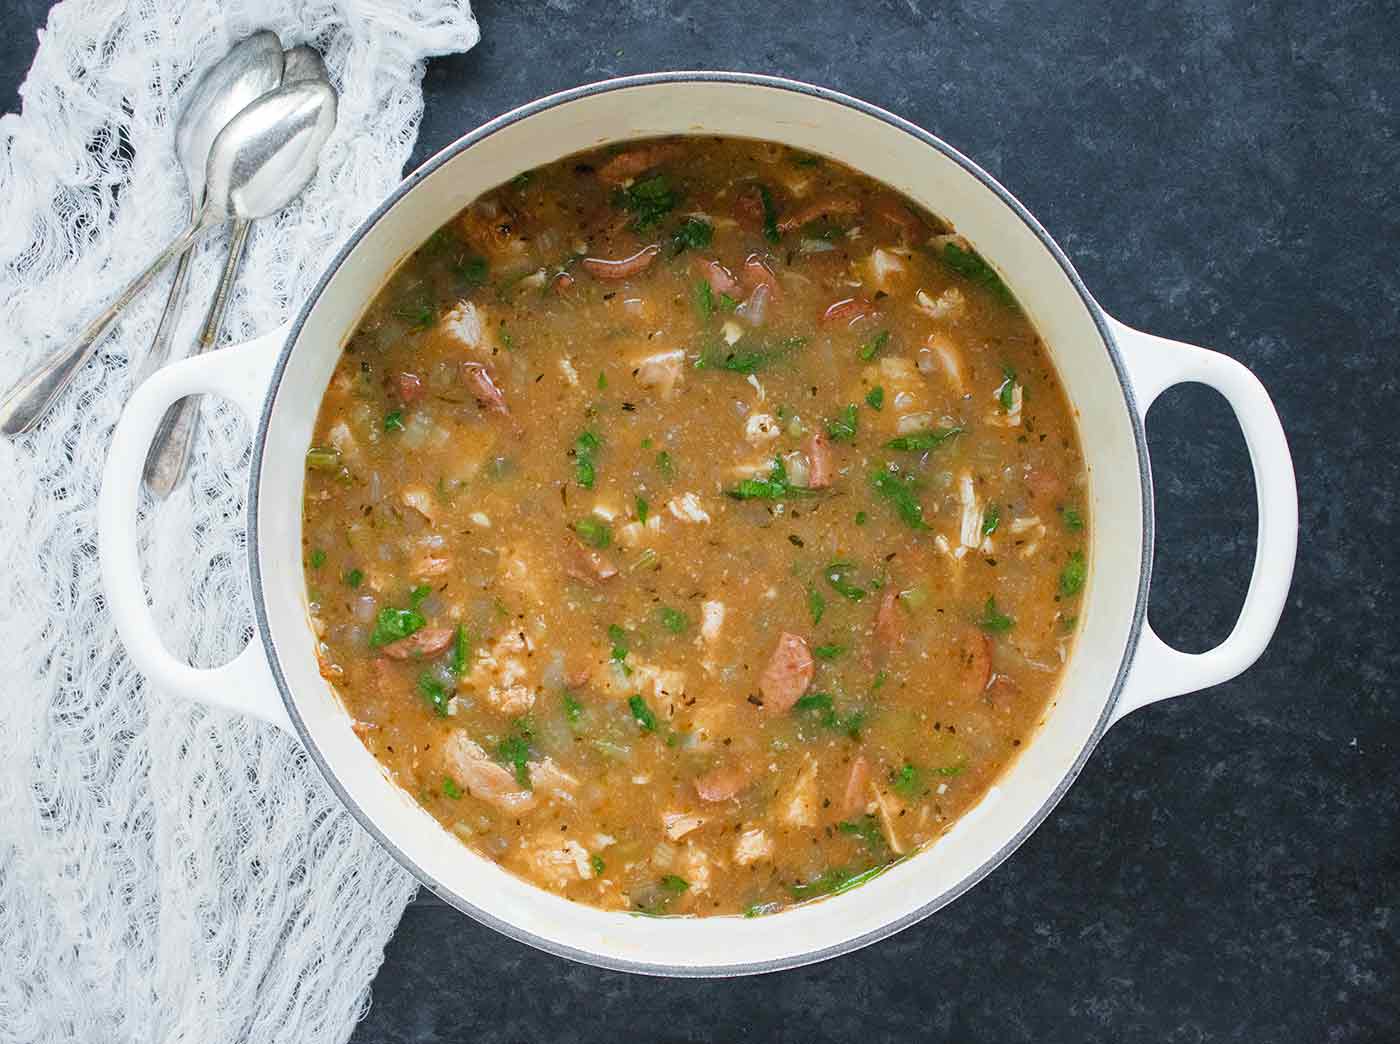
x=899 y=491
x=602 y=380
x=648 y=201
x=993 y=620
x=675 y=885
x=596 y=862
x=970 y=265
x=573 y=709
x=473 y=271
x=835 y=881
x=461 y=651
x=419 y=595
x=450 y=788
x=435 y=692
x=770 y=215
x=354 y=578
x=585 y=457
x=875 y=398
x=593 y=531
x=673 y=620
x=393 y=420
x=727 y=303
x=829 y=651
x=643 y=509
x=838 y=575
x=1073 y=575
x=744 y=356
x=816 y=604
x=514 y=750
x=991 y=519
x=317 y=558
x=923 y=441
x=666 y=465
x=392 y=624
x=1006 y=391
x=641 y=713
x=867 y=829
x=908 y=781
x=873 y=347
x=843 y=428
x=823 y=707
x=419 y=315
x=775 y=487
x=702 y=298
x=693 y=234
x=1073 y=520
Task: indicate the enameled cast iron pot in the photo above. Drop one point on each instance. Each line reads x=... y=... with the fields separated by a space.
x=1110 y=372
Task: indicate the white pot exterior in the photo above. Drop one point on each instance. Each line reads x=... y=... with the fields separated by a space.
x=1098 y=361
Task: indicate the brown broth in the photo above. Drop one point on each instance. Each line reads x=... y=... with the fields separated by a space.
x=506 y=403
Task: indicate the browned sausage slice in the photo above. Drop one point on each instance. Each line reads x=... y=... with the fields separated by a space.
x=427 y=642
x=788 y=673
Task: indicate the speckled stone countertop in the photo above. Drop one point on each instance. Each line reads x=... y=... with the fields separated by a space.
x=1227 y=868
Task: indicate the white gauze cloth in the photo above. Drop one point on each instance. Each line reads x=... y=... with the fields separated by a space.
x=169 y=873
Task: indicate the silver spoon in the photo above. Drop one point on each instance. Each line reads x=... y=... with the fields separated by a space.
x=252 y=67
x=257 y=165
x=169 y=452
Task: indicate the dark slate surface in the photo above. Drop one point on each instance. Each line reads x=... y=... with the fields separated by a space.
x=1228 y=867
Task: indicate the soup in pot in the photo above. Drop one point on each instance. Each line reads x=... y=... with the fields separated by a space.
x=695 y=527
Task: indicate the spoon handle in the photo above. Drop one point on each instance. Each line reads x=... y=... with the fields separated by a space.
x=36 y=391
x=169 y=454
x=159 y=352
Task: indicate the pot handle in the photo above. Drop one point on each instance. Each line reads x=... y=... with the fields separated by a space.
x=1154 y=364
x=240 y=373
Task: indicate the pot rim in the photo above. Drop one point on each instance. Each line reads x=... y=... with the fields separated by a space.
x=450 y=152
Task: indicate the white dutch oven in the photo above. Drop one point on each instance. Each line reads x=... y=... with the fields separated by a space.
x=1112 y=374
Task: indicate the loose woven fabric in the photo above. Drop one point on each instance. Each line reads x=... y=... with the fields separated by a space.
x=169 y=873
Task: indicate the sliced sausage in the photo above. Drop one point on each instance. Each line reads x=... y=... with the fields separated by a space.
x=748 y=208
x=853 y=802
x=756 y=273
x=848 y=310
x=722 y=782
x=426 y=642
x=627 y=165
x=819 y=466
x=975 y=661
x=889 y=623
x=483 y=387
x=721 y=280
x=602 y=268
x=788 y=673
x=409 y=386
x=831 y=207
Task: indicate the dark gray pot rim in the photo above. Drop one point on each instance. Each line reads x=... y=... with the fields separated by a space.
x=1144 y=471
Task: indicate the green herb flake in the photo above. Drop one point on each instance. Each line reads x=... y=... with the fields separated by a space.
x=880 y=679
x=823 y=707
x=727 y=303
x=899 y=491
x=770 y=215
x=354 y=578
x=774 y=487
x=573 y=709
x=666 y=465
x=843 y=428
x=874 y=346
x=702 y=299
x=648 y=201
x=673 y=620
x=602 y=381
x=835 y=881
x=923 y=441
x=596 y=862
x=461 y=651
x=450 y=788
x=838 y=575
x=908 y=781
x=861 y=518
x=1073 y=575
x=675 y=885
x=435 y=692
x=586 y=448
x=392 y=624
x=693 y=234
x=816 y=604
x=521 y=180
x=993 y=620
x=970 y=265
x=618 y=637
x=867 y=830
x=875 y=398
x=514 y=750
x=991 y=519
x=317 y=558
x=641 y=713
x=393 y=420
x=419 y=595
x=950 y=770
x=828 y=652
x=643 y=509
x=593 y=531
x=473 y=271
x=1006 y=391
x=418 y=315
x=1072 y=519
